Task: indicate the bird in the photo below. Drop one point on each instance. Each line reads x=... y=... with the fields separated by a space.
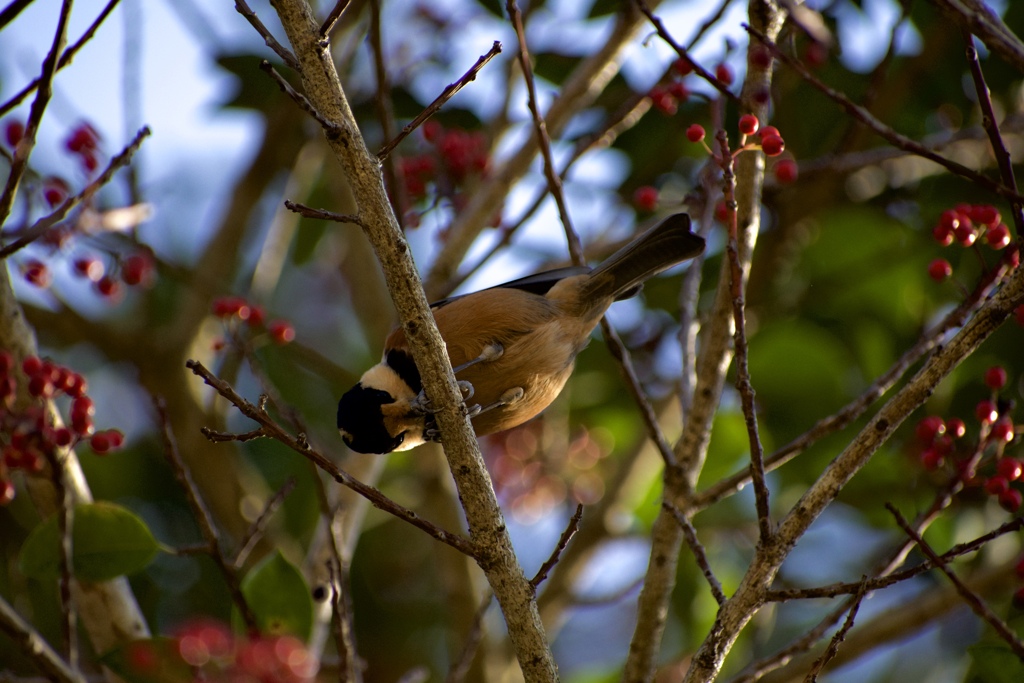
x=512 y=346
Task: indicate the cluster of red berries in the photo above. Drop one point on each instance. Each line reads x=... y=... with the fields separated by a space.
x=27 y=435
x=216 y=654
x=771 y=143
x=456 y=154
x=82 y=141
x=666 y=96
x=1005 y=473
x=966 y=225
x=236 y=312
x=136 y=269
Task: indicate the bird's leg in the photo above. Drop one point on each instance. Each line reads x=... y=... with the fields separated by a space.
x=492 y=351
x=421 y=404
x=509 y=397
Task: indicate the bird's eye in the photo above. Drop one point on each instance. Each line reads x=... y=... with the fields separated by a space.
x=400 y=438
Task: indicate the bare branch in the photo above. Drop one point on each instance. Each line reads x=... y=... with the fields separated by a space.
x=259 y=526
x=833 y=646
x=35 y=647
x=298 y=444
x=322 y=214
x=698 y=551
x=286 y=56
x=972 y=599
x=332 y=19
x=450 y=90
x=44 y=224
x=204 y=519
x=563 y=541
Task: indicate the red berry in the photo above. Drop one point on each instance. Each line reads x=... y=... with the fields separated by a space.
x=137 y=269
x=116 y=438
x=40 y=386
x=1010 y=468
x=772 y=145
x=37 y=274
x=749 y=124
x=663 y=101
x=679 y=91
x=76 y=385
x=931 y=459
x=998 y=237
x=994 y=486
x=108 y=287
x=816 y=54
x=724 y=74
x=965 y=233
x=55 y=190
x=769 y=131
x=62 y=436
x=956 y=428
x=257 y=316
x=6 y=491
x=722 y=215
x=695 y=133
x=645 y=198
x=83 y=405
x=432 y=130
x=985 y=214
x=682 y=67
x=1002 y=431
x=89 y=267
x=939 y=269
x=32 y=365
x=785 y=171
x=760 y=56
x=100 y=442
x=995 y=377
x=929 y=427
x=82 y=138
x=281 y=331
x=1011 y=500
x=986 y=411
x=14 y=131
x=943 y=235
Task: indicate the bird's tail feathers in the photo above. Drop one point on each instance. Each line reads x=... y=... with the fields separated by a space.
x=663 y=246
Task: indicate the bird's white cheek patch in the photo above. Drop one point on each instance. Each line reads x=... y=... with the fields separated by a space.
x=386 y=379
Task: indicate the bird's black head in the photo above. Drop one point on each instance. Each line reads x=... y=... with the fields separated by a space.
x=361 y=421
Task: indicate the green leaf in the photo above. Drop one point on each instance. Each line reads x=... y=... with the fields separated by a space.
x=994 y=663
x=107 y=539
x=148 y=661
x=280 y=598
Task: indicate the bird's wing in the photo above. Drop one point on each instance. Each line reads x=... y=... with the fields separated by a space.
x=538 y=283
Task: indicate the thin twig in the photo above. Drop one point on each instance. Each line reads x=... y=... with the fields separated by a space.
x=34 y=646
x=271 y=42
x=44 y=224
x=737 y=286
x=881 y=129
x=879 y=582
x=833 y=646
x=322 y=214
x=386 y=115
x=563 y=541
x=223 y=437
x=554 y=182
x=259 y=526
x=972 y=599
x=297 y=97
x=991 y=127
x=299 y=445
x=684 y=53
x=699 y=554
x=348 y=658
x=203 y=517
x=44 y=91
x=332 y=19
x=450 y=90
x=853 y=410
x=65 y=58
